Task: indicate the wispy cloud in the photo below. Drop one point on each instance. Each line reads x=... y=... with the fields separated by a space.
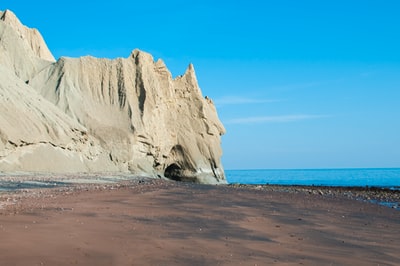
x=236 y=100
x=274 y=119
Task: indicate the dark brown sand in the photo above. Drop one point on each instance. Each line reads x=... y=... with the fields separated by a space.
x=168 y=223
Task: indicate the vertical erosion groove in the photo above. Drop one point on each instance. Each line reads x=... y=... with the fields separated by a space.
x=121 y=85
x=140 y=89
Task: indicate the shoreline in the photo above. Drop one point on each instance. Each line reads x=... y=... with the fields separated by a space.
x=379 y=195
x=25 y=183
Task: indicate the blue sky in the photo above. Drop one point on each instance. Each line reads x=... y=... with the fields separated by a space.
x=297 y=84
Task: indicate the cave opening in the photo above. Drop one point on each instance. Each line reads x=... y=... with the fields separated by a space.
x=173 y=172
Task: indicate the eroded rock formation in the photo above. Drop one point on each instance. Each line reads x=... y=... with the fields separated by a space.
x=89 y=114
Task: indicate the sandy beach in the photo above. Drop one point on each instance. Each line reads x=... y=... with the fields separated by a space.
x=155 y=222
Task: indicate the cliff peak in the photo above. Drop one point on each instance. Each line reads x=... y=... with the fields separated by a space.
x=9 y=16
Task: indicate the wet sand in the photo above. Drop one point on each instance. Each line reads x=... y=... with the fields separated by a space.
x=154 y=222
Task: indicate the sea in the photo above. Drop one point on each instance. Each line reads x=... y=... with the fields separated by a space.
x=353 y=177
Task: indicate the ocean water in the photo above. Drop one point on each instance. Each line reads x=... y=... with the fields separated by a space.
x=376 y=177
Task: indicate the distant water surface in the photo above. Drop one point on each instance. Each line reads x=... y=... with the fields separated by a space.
x=377 y=177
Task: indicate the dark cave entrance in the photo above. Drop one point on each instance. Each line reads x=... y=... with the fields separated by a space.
x=173 y=172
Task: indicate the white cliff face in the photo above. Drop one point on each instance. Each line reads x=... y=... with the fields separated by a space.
x=36 y=136
x=148 y=121
x=134 y=115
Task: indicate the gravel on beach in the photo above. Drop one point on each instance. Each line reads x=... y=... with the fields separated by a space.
x=17 y=186
x=383 y=196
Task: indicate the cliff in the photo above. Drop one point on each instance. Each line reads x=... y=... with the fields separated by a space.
x=95 y=115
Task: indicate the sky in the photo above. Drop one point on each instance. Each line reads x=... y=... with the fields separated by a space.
x=297 y=84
